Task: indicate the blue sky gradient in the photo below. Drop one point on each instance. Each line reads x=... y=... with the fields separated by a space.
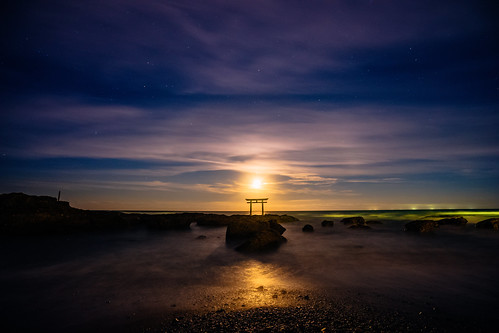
x=178 y=105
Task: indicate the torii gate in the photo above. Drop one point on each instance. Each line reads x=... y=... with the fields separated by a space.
x=252 y=201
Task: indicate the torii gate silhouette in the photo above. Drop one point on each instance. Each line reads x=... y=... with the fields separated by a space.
x=252 y=201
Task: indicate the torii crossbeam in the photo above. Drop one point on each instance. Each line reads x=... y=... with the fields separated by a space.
x=252 y=201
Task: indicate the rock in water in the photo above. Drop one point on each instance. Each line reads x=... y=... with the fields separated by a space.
x=267 y=239
x=276 y=226
x=354 y=220
x=488 y=224
x=237 y=230
x=252 y=235
x=453 y=221
x=421 y=226
x=359 y=226
x=307 y=228
x=327 y=223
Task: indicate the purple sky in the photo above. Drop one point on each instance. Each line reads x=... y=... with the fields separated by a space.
x=179 y=105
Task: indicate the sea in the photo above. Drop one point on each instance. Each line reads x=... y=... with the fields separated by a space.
x=122 y=279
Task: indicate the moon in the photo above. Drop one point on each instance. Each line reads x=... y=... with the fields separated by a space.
x=256 y=184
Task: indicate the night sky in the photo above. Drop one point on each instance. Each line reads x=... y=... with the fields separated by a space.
x=180 y=105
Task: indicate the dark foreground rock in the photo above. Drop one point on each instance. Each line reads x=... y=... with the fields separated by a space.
x=327 y=223
x=421 y=226
x=359 y=220
x=307 y=228
x=252 y=234
x=488 y=224
x=453 y=221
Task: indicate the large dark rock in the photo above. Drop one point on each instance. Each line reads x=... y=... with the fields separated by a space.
x=359 y=220
x=243 y=229
x=267 y=239
x=421 y=226
x=307 y=228
x=488 y=224
x=253 y=235
x=327 y=223
x=453 y=221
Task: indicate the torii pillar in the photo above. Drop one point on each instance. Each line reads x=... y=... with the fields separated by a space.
x=252 y=201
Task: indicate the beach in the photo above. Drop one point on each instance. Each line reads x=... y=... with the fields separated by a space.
x=331 y=279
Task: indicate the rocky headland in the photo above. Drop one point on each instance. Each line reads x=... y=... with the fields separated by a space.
x=27 y=214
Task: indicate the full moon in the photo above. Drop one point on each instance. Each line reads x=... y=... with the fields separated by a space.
x=257 y=183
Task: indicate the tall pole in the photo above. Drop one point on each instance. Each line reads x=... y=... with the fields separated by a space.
x=251 y=207
x=262 y=207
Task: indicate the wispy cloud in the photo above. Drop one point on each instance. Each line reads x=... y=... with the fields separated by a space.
x=190 y=99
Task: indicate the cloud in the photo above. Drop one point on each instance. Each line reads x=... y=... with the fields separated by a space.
x=310 y=146
x=193 y=97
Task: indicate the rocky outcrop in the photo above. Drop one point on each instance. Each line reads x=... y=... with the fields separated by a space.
x=488 y=224
x=27 y=214
x=216 y=220
x=358 y=220
x=307 y=228
x=253 y=235
x=453 y=221
x=327 y=223
x=421 y=226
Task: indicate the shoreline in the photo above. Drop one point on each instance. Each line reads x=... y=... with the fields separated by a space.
x=333 y=279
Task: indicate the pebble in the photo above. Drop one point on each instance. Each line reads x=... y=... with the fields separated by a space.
x=319 y=317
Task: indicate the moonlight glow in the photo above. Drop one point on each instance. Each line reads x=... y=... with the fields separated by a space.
x=195 y=101
x=257 y=184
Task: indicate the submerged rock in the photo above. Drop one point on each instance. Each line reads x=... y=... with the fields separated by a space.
x=307 y=228
x=354 y=220
x=327 y=223
x=359 y=226
x=453 y=221
x=421 y=226
x=488 y=224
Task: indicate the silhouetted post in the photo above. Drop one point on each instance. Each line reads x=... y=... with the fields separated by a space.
x=59 y=196
x=251 y=201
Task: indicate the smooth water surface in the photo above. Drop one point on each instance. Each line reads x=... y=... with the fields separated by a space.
x=80 y=281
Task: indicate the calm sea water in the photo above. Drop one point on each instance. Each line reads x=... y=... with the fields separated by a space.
x=78 y=282
x=472 y=215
